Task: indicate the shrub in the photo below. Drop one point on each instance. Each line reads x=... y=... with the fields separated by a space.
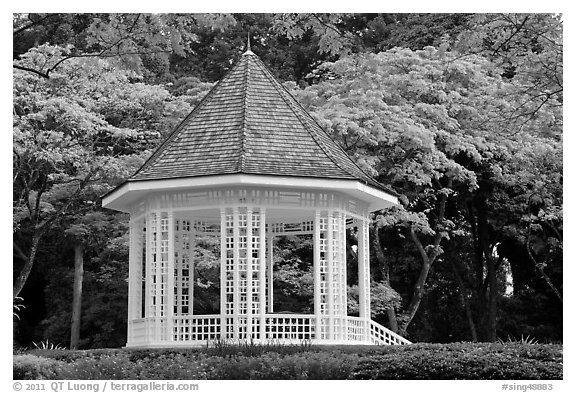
x=247 y=348
x=419 y=361
x=171 y=366
x=272 y=365
x=63 y=355
x=116 y=366
x=464 y=361
x=34 y=367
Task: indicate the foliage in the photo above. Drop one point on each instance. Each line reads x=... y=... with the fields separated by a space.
x=47 y=345
x=340 y=34
x=172 y=365
x=271 y=365
x=522 y=339
x=76 y=135
x=33 y=367
x=424 y=361
x=464 y=361
x=17 y=307
x=141 y=42
x=460 y=113
x=424 y=122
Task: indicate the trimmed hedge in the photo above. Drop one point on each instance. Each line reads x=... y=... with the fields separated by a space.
x=33 y=367
x=464 y=361
x=418 y=361
x=122 y=365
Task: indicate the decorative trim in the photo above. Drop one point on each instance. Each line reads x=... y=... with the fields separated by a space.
x=127 y=194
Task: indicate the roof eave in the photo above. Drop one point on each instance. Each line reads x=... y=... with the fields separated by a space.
x=122 y=197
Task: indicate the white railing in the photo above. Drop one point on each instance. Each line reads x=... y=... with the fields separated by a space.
x=380 y=335
x=290 y=327
x=197 y=329
x=356 y=329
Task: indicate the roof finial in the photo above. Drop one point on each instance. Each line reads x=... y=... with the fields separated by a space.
x=248 y=49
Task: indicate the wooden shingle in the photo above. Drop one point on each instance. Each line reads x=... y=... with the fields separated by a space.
x=249 y=123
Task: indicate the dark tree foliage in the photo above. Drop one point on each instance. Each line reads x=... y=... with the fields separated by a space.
x=216 y=50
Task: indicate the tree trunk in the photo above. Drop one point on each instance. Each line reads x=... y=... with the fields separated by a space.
x=392 y=320
x=492 y=296
x=466 y=303
x=385 y=268
x=427 y=261
x=77 y=295
x=418 y=292
x=479 y=261
x=492 y=292
x=539 y=266
x=27 y=268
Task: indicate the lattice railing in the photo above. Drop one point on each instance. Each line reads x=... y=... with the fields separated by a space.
x=278 y=327
x=290 y=327
x=356 y=329
x=196 y=328
x=382 y=336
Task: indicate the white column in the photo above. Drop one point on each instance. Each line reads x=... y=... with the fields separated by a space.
x=191 y=265
x=158 y=278
x=262 y=274
x=317 y=298
x=169 y=296
x=330 y=274
x=364 y=277
x=367 y=270
x=270 y=270
x=248 y=273
x=343 y=283
x=132 y=275
x=223 y=252
x=148 y=311
x=236 y=285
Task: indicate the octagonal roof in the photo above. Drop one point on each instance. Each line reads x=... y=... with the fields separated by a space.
x=249 y=124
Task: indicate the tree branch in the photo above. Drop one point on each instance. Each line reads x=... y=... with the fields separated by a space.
x=29 y=25
x=419 y=245
x=19 y=253
x=511 y=36
x=539 y=267
x=32 y=70
x=102 y=53
x=327 y=26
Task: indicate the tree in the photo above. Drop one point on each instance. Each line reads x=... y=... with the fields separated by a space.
x=77 y=296
x=341 y=34
x=140 y=41
x=75 y=137
x=469 y=131
x=421 y=121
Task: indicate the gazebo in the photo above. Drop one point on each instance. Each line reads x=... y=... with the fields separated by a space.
x=248 y=164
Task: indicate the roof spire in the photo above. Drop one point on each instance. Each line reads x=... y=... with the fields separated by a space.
x=248 y=49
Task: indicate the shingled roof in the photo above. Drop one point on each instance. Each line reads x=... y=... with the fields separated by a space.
x=249 y=123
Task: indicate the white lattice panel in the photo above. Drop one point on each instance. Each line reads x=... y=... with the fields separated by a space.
x=200 y=328
x=298 y=327
x=183 y=267
x=383 y=336
x=243 y=237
